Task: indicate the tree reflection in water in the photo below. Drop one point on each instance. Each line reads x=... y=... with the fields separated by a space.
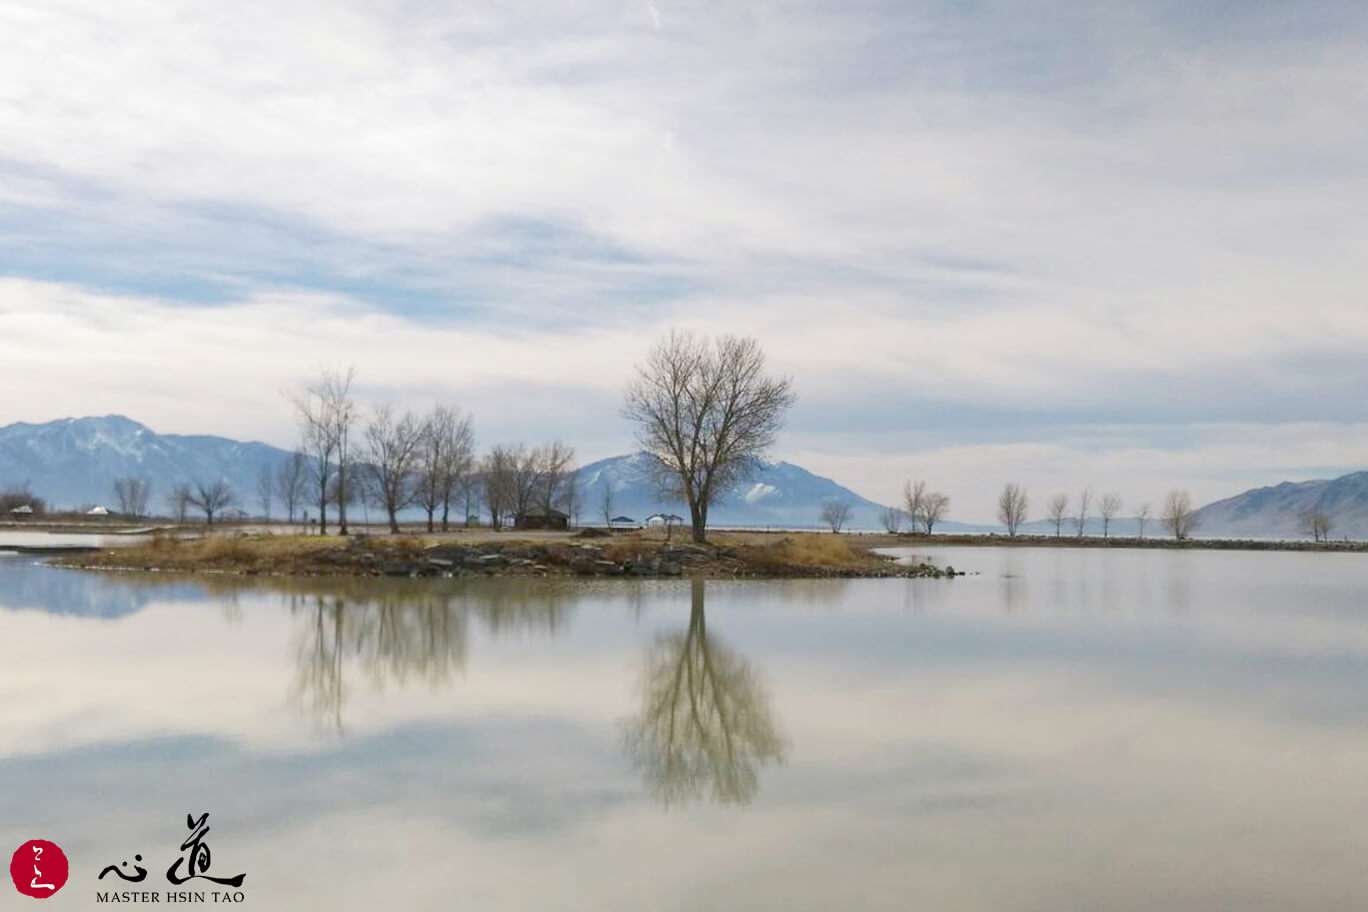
x=403 y=633
x=704 y=730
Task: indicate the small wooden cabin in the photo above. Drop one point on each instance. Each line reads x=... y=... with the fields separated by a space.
x=538 y=518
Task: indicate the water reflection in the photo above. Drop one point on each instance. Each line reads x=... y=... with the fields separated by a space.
x=28 y=585
x=705 y=728
x=408 y=633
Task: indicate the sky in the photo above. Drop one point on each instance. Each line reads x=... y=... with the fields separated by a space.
x=1115 y=245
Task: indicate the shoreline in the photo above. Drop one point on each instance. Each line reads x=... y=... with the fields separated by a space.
x=907 y=540
x=791 y=556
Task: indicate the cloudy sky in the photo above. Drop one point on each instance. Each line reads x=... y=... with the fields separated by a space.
x=1116 y=244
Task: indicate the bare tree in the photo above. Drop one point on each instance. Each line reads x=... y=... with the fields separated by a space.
x=527 y=479
x=835 y=513
x=933 y=509
x=211 y=497
x=914 y=495
x=1108 y=505
x=446 y=461
x=1084 y=501
x=500 y=471
x=708 y=411
x=133 y=495
x=1178 y=516
x=265 y=489
x=1142 y=516
x=1317 y=524
x=892 y=520
x=289 y=482
x=571 y=500
x=326 y=415
x=471 y=487
x=457 y=462
x=923 y=506
x=555 y=466
x=178 y=501
x=606 y=504
x=389 y=459
x=1059 y=507
x=1012 y=507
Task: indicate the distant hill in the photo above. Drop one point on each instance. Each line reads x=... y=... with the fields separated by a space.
x=1276 y=511
x=779 y=494
x=74 y=461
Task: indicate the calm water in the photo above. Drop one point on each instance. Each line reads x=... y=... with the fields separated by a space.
x=1064 y=731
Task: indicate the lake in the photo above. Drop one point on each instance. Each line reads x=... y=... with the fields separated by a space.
x=1061 y=730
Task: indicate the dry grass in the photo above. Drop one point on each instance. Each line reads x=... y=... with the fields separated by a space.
x=809 y=550
x=230 y=551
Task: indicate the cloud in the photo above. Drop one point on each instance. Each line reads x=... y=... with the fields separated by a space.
x=939 y=220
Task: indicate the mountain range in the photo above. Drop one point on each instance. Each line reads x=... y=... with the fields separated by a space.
x=73 y=462
x=777 y=494
x=1277 y=511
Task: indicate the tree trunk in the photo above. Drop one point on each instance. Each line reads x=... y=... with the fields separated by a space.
x=341 y=500
x=698 y=514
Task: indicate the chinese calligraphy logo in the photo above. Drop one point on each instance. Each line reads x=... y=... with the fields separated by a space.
x=196 y=860
x=39 y=868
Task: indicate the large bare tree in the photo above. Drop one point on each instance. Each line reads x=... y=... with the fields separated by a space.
x=1012 y=506
x=1108 y=505
x=133 y=495
x=1178 y=516
x=326 y=415
x=708 y=411
x=390 y=452
x=1059 y=506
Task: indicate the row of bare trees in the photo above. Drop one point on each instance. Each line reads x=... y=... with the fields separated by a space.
x=519 y=481
x=924 y=507
x=425 y=461
x=921 y=507
x=1178 y=515
x=399 y=460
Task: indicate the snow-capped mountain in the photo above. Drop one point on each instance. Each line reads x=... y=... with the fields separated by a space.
x=74 y=461
x=778 y=494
